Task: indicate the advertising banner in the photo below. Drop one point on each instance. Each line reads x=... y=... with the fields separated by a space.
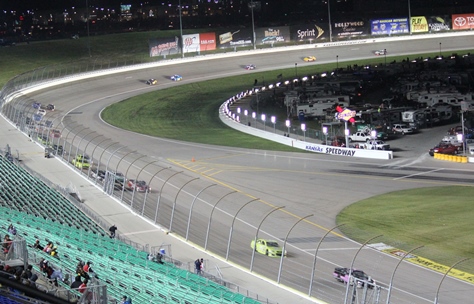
x=272 y=35
x=389 y=26
x=191 y=43
x=419 y=24
x=309 y=32
x=463 y=21
x=163 y=46
x=439 y=23
x=236 y=38
x=349 y=29
x=207 y=41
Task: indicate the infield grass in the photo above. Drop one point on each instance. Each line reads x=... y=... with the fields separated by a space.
x=439 y=218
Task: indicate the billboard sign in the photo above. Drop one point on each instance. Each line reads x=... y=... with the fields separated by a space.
x=241 y=37
x=419 y=24
x=191 y=43
x=389 y=26
x=439 y=23
x=308 y=32
x=349 y=29
x=272 y=35
x=463 y=21
x=207 y=41
x=163 y=46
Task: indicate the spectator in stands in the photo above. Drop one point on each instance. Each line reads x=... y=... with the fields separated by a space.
x=43 y=265
x=202 y=265
x=87 y=266
x=29 y=271
x=112 y=230
x=37 y=245
x=159 y=258
x=56 y=274
x=77 y=282
x=7 y=243
x=48 y=247
x=126 y=300
x=49 y=271
x=54 y=252
x=32 y=280
x=11 y=229
x=197 y=265
x=83 y=286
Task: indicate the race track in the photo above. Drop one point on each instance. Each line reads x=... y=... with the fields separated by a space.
x=304 y=184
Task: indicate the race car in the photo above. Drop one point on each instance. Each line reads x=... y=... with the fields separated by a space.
x=309 y=58
x=139 y=186
x=151 y=81
x=250 y=67
x=380 y=52
x=342 y=275
x=267 y=247
x=176 y=77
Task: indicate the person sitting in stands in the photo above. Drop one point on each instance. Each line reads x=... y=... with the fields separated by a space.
x=77 y=282
x=37 y=245
x=54 y=252
x=11 y=229
x=48 y=246
x=83 y=286
x=7 y=243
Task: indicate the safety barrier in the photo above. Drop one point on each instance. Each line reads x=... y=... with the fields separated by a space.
x=451 y=158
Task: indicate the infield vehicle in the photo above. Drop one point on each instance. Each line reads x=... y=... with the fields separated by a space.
x=342 y=274
x=360 y=136
x=402 y=129
x=151 y=81
x=267 y=247
x=376 y=145
x=445 y=148
x=176 y=77
x=309 y=58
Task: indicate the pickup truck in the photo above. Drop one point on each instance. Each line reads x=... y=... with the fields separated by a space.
x=376 y=145
x=360 y=136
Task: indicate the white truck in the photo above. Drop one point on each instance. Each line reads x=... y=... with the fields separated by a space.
x=360 y=136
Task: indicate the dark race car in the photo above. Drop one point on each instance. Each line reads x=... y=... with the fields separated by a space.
x=151 y=81
x=342 y=275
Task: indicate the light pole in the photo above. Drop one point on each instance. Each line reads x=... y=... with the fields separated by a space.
x=325 y=132
x=346 y=133
x=303 y=128
x=254 y=116
x=252 y=6
x=273 y=120
x=329 y=19
x=88 y=32
x=409 y=17
x=296 y=70
x=337 y=62
x=385 y=56
x=288 y=125
x=181 y=29
x=263 y=117
x=246 y=117
x=440 y=50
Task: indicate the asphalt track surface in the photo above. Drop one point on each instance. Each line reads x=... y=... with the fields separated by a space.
x=305 y=184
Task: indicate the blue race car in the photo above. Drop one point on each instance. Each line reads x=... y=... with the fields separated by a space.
x=176 y=77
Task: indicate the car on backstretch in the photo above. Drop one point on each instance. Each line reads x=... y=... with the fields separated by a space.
x=151 y=81
x=380 y=52
x=267 y=247
x=250 y=67
x=176 y=77
x=309 y=58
